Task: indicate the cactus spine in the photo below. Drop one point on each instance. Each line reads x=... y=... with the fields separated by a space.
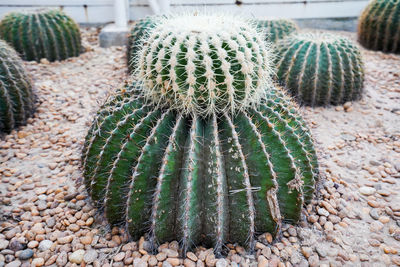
x=136 y=36
x=276 y=29
x=41 y=34
x=212 y=64
x=204 y=148
x=199 y=179
x=320 y=69
x=379 y=26
x=16 y=96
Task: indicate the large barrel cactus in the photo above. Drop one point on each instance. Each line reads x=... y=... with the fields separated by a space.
x=320 y=69
x=223 y=162
x=16 y=96
x=137 y=34
x=41 y=34
x=276 y=29
x=379 y=26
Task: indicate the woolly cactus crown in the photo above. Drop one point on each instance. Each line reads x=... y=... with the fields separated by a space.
x=204 y=64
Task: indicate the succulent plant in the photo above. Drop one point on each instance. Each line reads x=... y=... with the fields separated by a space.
x=38 y=34
x=204 y=64
x=276 y=29
x=199 y=179
x=379 y=26
x=227 y=161
x=16 y=96
x=136 y=36
x=320 y=69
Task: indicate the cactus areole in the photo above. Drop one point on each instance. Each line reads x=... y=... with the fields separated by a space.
x=43 y=33
x=204 y=64
x=194 y=173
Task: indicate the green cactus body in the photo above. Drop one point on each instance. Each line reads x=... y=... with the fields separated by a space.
x=16 y=96
x=41 y=34
x=209 y=180
x=204 y=64
x=276 y=29
x=320 y=69
x=379 y=26
x=202 y=148
x=137 y=34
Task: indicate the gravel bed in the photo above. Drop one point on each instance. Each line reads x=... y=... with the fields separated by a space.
x=46 y=218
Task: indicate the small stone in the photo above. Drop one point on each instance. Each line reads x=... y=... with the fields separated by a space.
x=221 y=263
x=15 y=263
x=25 y=254
x=384 y=219
x=376 y=226
x=374 y=213
x=191 y=256
x=152 y=261
x=62 y=259
x=170 y=253
x=323 y=212
x=38 y=262
x=396 y=260
x=173 y=261
x=189 y=263
x=367 y=191
x=15 y=245
x=138 y=262
x=307 y=251
x=77 y=256
x=3 y=244
x=119 y=257
x=45 y=245
x=162 y=256
x=262 y=261
x=321 y=251
x=33 y=244
x=164 y=264
x=65 y=239
x=90 y=256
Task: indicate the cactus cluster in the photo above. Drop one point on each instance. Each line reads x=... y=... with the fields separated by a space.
x=16 y=96
x=320 y=69
x=276 y=29
x=41 y=34
x=209 y=180
x=202 y=148
x=136 y=36
x=204 y=64
x=379 y=26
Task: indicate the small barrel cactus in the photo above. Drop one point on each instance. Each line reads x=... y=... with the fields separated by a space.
x=202 y=148
x=379 y=26
x=276 y=29
x=136 y=36
x=320 y=69
x=16 y=96
x=41 y=34
x=205 y=180
x=204 y=64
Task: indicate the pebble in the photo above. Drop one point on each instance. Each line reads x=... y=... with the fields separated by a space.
x=25 y=254
x=15 y=263
x=77 y=256
x=374 y=213
x=45 y=245
x=367 y=191
x=38 y=262
x=90 y=256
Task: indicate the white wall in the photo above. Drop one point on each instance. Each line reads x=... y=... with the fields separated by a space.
x=101 y=11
